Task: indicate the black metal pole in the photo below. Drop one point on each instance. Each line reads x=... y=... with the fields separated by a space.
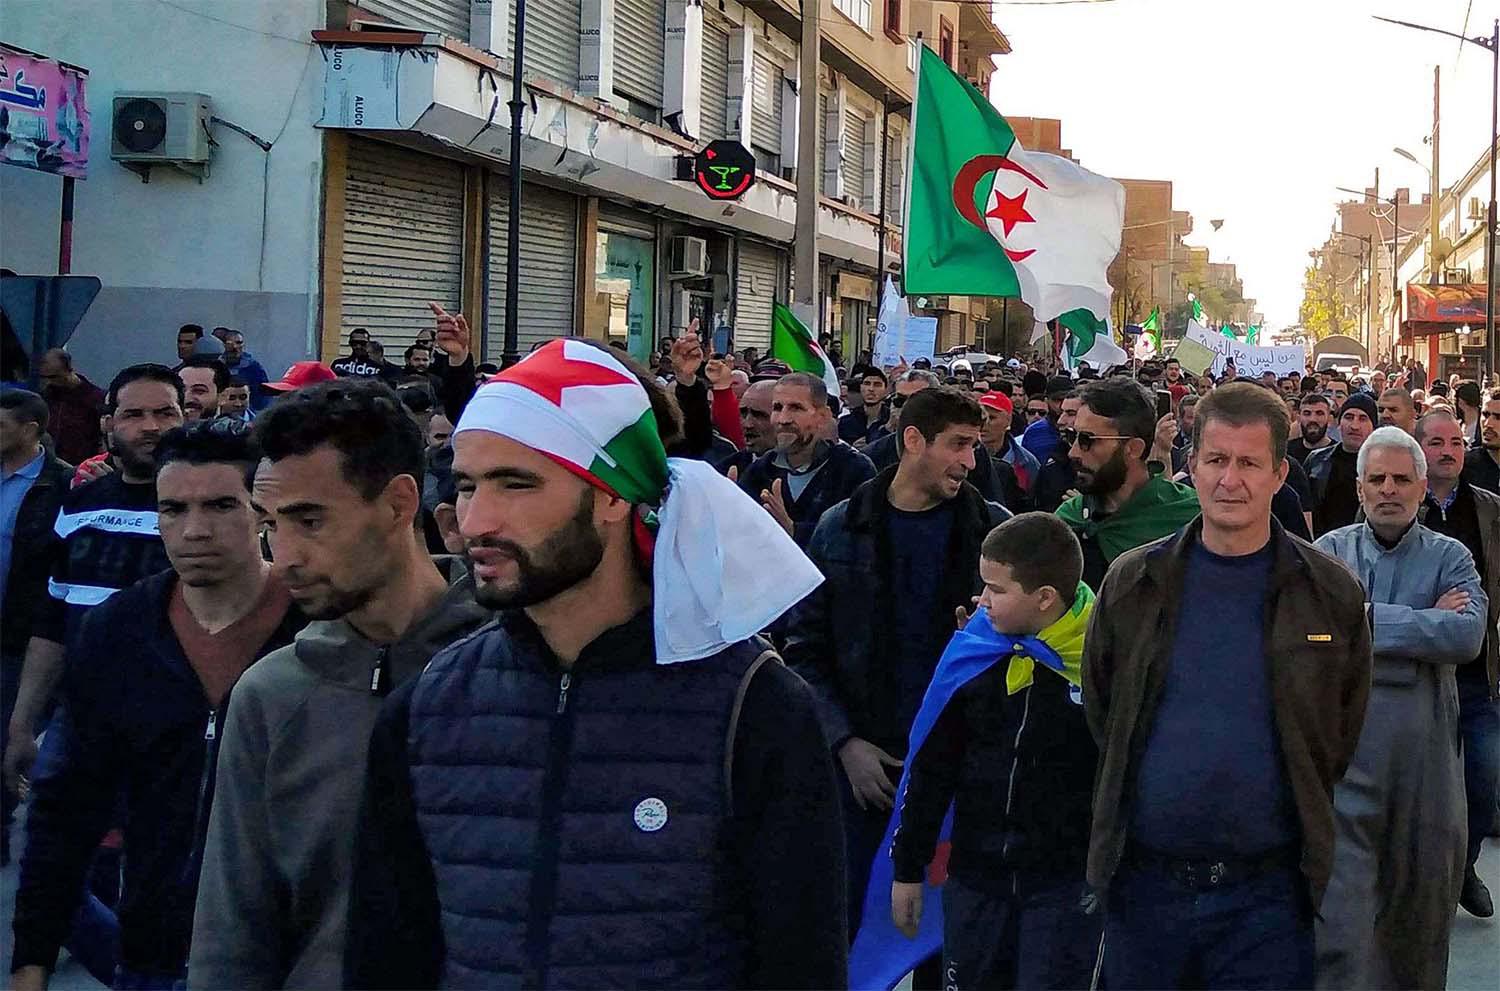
x=511 y=353
x=1489 y=234
x=885 y=183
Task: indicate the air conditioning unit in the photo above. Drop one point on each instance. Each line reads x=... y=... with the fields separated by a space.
x=688 y=257
x=159 y=128
x=1476 y=208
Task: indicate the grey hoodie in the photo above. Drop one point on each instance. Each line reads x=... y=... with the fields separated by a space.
x=273 y=896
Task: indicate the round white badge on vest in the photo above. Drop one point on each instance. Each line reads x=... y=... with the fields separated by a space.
x=650 y=815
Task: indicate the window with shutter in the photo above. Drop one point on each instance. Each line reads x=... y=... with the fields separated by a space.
x=765 y=110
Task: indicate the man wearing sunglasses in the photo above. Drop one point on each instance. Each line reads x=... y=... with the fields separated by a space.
x=1041 y=432
x=1123 y=502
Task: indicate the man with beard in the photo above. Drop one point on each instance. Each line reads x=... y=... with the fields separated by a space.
x=806 y=474
x=339 y=492
x=901 y=554
x=886 y=451
x=203 y=380
x=1123 y=502
x=614 y=747
x=148 y=670
x=1456 y=508
x=105 y=539
x=1482 y=463
x=1398 y=862
x=1331 y=470
x=1312 y=416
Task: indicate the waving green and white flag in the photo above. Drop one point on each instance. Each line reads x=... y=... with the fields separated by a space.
x=794 y=344
x=986 y=217
x=1252 y=334
x=1089 y=340
x=1149 y=341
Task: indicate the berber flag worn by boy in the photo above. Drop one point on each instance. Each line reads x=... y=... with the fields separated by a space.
x=986 y=217
x=721 y=568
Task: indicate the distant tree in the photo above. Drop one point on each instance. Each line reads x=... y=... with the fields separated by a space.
x=1323 y=311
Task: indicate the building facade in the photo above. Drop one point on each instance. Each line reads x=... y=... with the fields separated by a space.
x=386 y=181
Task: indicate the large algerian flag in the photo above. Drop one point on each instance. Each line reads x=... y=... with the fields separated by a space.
x=1089 y=340
x=794 y=344
x=986 y=217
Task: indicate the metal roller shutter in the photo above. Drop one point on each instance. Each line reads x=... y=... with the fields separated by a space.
x=552 y=44
x=613 y=216
x=765 y=111
x=403 y=241
x=757 y=286
x=853 y=164
x=640 y=48
x=715 y=98
x=450 y=17
x=549 y=256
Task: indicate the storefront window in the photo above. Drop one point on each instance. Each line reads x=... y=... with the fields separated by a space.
x=625 y=277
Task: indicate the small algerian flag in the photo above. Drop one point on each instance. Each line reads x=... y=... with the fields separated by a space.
x=1252 y=334
x=1150 y=331
x=986 y=217
x=1197 y=311
x=794 y=344
x=1228 y=331
x=1089 y=340
x=1145 y=346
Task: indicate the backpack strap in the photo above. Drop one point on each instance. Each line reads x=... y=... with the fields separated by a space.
x=766 y=656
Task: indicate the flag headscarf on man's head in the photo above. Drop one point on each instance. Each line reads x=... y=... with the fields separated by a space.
x=722 y=568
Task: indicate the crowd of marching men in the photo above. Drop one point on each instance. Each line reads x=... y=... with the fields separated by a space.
x=592 y=674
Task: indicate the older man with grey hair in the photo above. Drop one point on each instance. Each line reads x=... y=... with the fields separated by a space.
x=1399 y=858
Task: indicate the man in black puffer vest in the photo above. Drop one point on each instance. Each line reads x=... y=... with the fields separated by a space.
x=617 y=784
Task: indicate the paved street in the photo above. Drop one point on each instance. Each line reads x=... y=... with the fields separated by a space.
x=1475 y=959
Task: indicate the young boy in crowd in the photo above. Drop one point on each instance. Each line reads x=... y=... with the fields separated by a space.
x=1001 y=737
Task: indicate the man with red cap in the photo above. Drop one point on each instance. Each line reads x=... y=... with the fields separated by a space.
x=617 y=784
x=1015 y=467
x=301 y=375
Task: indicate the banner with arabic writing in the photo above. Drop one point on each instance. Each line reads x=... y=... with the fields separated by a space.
x=44 y=117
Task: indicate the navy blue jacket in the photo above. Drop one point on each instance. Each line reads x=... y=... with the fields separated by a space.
x=135 y=722
x=844 y=471
x=835 y=639
x=620 y=823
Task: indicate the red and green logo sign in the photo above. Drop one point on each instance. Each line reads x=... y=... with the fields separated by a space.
x=724 y=170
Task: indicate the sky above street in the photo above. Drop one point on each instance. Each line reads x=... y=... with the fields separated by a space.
x=1255 y=109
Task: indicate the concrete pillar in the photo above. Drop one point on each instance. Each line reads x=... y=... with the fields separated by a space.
x=596 y=56
x=489 y=26
x=684 y=65
x=741 y=80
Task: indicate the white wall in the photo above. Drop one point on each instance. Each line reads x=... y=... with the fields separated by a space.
x=173 y=250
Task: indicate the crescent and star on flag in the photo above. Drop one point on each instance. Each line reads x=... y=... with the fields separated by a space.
x=1009 y=210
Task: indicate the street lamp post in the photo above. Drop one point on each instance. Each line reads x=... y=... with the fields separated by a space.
x=1367 y=255
x=1395 y=250
x=1492 y=45
x=512 y=349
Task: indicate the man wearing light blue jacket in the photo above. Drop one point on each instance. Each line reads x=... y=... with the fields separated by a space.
x=1399 y=858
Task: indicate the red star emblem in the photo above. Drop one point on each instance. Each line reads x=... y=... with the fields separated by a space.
x=549 y=370
x=1011 y=210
